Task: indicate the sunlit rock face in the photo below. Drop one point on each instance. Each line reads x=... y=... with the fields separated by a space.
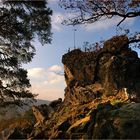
x=111 y=69
x=102 y=97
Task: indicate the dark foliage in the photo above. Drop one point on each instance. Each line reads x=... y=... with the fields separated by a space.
x=20 y=23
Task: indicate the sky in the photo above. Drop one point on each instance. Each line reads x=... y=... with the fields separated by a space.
x=44 y=71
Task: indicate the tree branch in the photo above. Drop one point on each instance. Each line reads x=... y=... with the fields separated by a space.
x=121 y=21
x=134 y=41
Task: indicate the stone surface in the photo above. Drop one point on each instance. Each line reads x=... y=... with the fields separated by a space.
x=42 y=113
x=115 y=67
x=56 y=104
x=18 y=130
x=102 y=96
x=122 y=123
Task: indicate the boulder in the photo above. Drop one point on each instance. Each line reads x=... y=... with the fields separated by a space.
x=116 y=44
x=42 y=113
x=18 y=130
x=56 y=104
x=122 y=123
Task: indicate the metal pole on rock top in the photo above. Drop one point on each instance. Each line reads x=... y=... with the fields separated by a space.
x=74 y=30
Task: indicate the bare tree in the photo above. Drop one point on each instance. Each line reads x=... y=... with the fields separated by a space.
x=90 y=11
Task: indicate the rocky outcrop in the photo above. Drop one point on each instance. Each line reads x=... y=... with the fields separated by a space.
x=102 y=97
x=18 y=130
x=98 y=83
x=112 y=69
x=115 y=123
x=56 y=104
x=42 y=113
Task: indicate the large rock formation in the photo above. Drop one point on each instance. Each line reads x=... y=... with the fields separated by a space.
x=109 y=71
x=101 y=98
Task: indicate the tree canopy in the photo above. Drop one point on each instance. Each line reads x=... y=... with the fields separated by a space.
x=20 y=23
x=90 y=11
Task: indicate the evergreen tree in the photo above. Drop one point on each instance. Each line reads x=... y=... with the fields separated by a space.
x=20 y=23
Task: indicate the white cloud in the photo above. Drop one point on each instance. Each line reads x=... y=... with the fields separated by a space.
x=57 y=19
x=106 y=24
x=37 y=72
x=54 y=78
x=47 y=93
x=55 y=68
x=42 y=72
x=46 y=82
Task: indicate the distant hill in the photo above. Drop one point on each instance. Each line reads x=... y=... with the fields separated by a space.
x=39 y=102
x=14 y=111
